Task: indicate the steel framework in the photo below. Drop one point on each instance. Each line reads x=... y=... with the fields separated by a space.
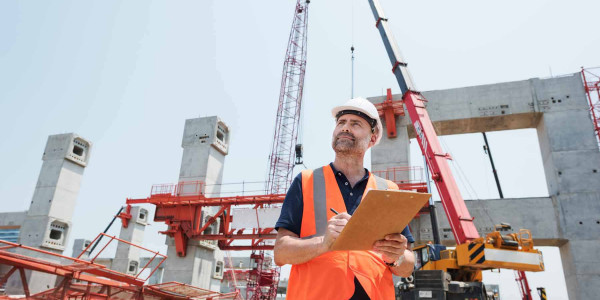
x=262 y=279
x=388 y=110
x=182 y=212
x=591 y=83
x=86 y=279
x=521 y=280
x=281 y=160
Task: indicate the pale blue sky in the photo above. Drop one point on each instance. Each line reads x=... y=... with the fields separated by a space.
x=126 y=74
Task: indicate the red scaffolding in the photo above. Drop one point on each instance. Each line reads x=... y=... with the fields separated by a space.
x=591 y=84
x=180 y=207
x=86 y=279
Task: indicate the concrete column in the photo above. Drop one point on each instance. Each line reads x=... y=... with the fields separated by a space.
x=127 y=257
x=392 y=152
x=572 y=167
x=48 y=221
x=78 y=246
x=205 y=144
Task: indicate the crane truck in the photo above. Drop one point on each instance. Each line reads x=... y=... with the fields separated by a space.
x=443 y=273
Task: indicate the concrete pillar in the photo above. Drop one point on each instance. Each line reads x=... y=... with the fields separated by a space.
x=572 y=168
x=78 y=246
x=48 y=221
x=392 y=152
x=127 y=257
x=205 y=145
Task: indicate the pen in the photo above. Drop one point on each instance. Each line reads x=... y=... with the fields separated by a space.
x=334 y=211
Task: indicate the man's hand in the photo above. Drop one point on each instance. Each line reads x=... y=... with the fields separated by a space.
x=391 y=247
x=335 y=225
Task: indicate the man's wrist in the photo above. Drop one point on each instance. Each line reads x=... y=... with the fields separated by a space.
x=395 y=263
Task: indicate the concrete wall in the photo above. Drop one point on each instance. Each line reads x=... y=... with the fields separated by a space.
x=558 y=109
x=12 y=218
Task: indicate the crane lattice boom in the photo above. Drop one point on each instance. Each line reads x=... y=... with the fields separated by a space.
x=281 y=160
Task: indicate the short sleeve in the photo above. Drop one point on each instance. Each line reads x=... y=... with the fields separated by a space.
x=406 y=233
x=293 y=207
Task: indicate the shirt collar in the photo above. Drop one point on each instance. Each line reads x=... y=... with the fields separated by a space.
x=339 y=173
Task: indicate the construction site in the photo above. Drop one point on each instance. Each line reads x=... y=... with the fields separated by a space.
x=513 y=166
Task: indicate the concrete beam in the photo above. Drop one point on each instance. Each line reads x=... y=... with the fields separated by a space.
x=557 y=107
x=543 y=224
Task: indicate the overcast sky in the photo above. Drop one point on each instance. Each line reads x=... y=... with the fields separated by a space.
x=126 y=75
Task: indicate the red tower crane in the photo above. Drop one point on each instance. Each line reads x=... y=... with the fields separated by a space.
x=263 y=281
x=281 y=160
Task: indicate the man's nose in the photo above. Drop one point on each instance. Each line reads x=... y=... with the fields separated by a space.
x=346 y=127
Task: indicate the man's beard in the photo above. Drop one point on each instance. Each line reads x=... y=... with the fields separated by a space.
x=346 y=146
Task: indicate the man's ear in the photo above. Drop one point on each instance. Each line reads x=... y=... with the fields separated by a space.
x=373 y=140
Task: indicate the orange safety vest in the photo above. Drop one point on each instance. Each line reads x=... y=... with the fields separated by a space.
x=331 y=275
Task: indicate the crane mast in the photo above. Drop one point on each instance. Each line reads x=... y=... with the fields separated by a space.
x=281 y=159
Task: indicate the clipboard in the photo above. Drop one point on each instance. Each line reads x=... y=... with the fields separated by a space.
x=380 y=213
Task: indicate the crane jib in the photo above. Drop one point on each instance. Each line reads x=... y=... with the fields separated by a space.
x=399 y=66
x=462 y=225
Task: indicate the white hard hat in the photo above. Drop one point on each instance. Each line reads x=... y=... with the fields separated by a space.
x=365 y=109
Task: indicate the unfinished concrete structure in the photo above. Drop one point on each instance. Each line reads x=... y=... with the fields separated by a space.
x=47 y=223
x=127 y=257
x=557 y=108
x=78 y=246
x=205 y=145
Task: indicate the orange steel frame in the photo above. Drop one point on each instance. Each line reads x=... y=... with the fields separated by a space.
x=180 y=207
x=102 y=283
x=78 y=269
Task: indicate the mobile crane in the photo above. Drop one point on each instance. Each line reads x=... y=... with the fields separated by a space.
x=450 y=273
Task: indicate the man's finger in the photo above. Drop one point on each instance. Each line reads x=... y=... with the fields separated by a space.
x=395 y=251
x=395 y=237
x=390 y=243
x=338 y=222
x=337 y=228
x=342 y=216
x=388 y=254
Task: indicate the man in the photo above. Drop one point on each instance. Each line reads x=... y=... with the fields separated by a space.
x=307 y=228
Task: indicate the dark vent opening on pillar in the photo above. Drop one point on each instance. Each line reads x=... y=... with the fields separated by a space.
x=78 y=150
x=55 y=234
x=133 y=266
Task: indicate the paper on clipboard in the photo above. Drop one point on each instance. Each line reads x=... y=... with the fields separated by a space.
x=380 y=212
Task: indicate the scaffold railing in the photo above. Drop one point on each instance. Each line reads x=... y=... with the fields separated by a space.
x=591 y=83
x=406 y=177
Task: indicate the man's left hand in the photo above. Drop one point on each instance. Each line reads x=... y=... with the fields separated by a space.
x=391 y=247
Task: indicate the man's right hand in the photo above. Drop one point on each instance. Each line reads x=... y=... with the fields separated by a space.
x=335 y=226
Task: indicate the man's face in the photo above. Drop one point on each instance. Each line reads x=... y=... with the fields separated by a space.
x=352 y=134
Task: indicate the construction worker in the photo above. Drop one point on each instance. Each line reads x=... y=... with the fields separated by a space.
x=307 y=228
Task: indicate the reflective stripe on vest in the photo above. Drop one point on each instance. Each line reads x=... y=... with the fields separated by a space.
x=319 y=196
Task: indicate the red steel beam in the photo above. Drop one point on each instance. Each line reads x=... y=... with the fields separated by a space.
x=171 y=200
x=223 y=237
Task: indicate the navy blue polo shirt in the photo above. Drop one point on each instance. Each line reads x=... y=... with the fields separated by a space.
x=293 y=205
